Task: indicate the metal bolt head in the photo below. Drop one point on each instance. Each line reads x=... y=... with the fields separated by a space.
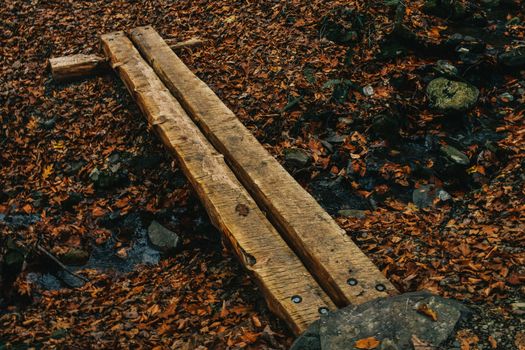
x=324 y=310
x=352 y=282
x=296 y=299
x=380 y=287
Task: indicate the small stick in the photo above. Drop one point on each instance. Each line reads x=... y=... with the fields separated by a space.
x=64 y=267
x=190 y=43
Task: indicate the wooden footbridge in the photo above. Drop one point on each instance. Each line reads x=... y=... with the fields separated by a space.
x=303 y=262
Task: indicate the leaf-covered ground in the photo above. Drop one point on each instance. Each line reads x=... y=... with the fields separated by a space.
x=342 y=81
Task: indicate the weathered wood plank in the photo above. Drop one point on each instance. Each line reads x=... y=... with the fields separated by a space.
x=341 y=268
x=262 y=251
x=76 y=66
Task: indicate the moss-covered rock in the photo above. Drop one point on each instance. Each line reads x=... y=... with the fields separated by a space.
x=451 y=96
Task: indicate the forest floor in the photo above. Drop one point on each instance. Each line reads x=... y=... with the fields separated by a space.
x=336 y=90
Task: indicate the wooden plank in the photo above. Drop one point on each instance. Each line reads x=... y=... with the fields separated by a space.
x=341 y=268
x=79 y=66
x=280 y=274
x=76 y=66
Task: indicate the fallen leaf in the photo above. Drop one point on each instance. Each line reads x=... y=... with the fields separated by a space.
x=427 y=311
x=367 y=343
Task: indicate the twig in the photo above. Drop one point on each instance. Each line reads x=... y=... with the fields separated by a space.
x=59 y=263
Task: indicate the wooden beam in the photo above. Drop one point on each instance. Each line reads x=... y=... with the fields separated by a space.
x=289 y=289
x=342 y=269
x=72 y=67
x=76 y=66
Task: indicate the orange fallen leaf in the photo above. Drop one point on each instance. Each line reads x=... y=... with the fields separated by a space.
x=427 y=311
x=367 y=343
x=27 y=209
x=48 y=169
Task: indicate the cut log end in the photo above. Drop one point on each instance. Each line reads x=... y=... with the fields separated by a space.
x=76 y=66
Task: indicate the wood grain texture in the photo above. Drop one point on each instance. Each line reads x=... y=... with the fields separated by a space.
x=278 y=271
x=79 y=66
x=76 y=66
x=342 y=269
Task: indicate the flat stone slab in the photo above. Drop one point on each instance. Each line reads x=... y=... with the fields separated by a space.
x=390 y=323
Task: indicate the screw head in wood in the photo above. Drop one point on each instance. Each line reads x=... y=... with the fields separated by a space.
x=296 y=299
x=323 y=310
x=352 y=282
x=380 y=287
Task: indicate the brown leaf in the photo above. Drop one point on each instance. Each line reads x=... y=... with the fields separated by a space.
x=420 y=344
x=367 y=343
x=427 y=311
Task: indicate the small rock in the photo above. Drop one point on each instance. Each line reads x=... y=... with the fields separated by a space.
x=48 y=124
x=446 y=68
x=506 y=97
x=392 y=320
x=423 y=197
x=75 y=256
x=296 y=157
x=451 y=96
x=443 y=195
x=73 y=167
x=334 y=137
x=513 y=58
x=109 y=178
x=360 y=214
x=455 y=155
x=368 y=90
x=162 y=238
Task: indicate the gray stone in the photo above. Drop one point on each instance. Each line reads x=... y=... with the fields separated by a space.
x=360 y=214
x=106 y=179
x=455 y=155
x=446 y=68
x=296 y=157
x=423 y=197
x=74 y=167
x=451 y=96
x=393 y=321
x=506 y=97
x=161 y=238
x=513 y=58
x=309 y=340
x=75 y=256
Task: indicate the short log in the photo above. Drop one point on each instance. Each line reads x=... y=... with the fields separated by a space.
x=76 y=66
